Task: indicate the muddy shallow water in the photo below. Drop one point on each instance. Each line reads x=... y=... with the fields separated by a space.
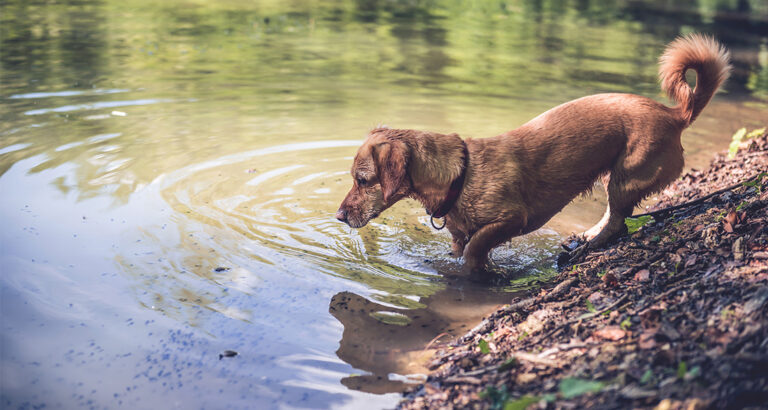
x=169 y=173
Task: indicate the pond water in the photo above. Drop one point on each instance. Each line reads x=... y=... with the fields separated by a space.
x=169 y=173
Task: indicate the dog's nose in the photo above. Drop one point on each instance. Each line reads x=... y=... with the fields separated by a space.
x=341 y=215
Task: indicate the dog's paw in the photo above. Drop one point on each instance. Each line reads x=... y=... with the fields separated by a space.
x=572 y=257
x=457 y=250
x=573 y=242
x=577 y=254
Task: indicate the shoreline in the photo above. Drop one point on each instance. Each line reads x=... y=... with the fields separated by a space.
x=674 y=315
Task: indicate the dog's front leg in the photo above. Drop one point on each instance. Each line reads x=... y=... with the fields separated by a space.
x=487 y=238
x=459 y=240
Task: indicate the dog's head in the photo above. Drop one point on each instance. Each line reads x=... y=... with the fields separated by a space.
x=379 y=174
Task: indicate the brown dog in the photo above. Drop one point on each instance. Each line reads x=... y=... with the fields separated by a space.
x=492 y=189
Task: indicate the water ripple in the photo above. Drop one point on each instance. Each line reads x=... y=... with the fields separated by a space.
x=69 y=93
x=98 y=105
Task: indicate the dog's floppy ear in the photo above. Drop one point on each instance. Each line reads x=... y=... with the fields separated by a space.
x=391 y=159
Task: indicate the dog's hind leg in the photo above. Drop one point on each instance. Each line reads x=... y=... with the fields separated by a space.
x=592 y=232
x=629 y=182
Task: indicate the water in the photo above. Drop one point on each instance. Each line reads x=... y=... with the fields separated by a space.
x=169 y=173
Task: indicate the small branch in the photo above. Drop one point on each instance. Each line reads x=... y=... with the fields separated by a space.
x=585 y=317
x=697 y=201
x=482 y=327
x=565 y=347
x=519 y=305
x=534 y=359
x=560 y=289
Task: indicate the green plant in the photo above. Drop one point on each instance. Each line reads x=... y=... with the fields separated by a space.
x=590 y=306
x=634 y=224
x=483 y=345
x=626 y=323
x=573 y=387
x=497 y=396
x=521 y=403
x=682 y=369
x=757 y=182
x=736 y=140
x=740 y=136
x=647 y=377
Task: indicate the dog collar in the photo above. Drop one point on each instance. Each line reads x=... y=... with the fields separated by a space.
x=453 y=192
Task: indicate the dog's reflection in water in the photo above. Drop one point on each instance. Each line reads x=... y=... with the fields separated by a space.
x=385 y=340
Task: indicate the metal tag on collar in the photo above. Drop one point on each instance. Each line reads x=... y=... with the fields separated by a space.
x=432 y=221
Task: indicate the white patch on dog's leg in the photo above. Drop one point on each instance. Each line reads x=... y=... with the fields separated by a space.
x=592 y=232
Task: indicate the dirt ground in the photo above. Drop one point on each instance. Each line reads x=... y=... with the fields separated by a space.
x=674 y=315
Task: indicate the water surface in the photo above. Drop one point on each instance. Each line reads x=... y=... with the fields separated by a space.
x=169 y=173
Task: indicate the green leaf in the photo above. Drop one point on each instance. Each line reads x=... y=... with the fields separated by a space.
x=626 y=323
x=755 y=133
x=757 y=182
x=497 y=397
x=483 y=345
x=634 y=224
x=573 y=387
x=695 y=372
x=736 y=141
x=682 y=369
x=647 y=376
x=591 y=307
x=521 y=403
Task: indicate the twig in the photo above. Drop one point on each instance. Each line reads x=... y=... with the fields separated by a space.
x=534 y=359
x=564 y=347
x=648 y=262
x=519 y=305
x=462 y=379
x=697 y=201
x=585 y=317
x=483 y=326
x=560 y=289
x=667 y=292
x=528 y=357
x=433 y=341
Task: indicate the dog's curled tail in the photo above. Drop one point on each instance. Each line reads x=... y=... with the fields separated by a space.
x=708 y=58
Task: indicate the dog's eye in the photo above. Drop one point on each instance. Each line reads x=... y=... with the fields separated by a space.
x=361 y=182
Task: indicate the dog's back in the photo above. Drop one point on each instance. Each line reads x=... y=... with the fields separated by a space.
x=632 y=140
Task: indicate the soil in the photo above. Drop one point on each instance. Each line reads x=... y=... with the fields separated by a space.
x=672 y=316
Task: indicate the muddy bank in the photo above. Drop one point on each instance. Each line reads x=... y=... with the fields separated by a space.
x=674 y=315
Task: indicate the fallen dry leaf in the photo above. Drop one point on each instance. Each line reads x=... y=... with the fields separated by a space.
x=643 y=275
x=690 y=261
x=647 y=340
x=610 y=333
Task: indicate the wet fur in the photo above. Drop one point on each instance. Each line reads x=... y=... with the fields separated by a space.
x=515 y=182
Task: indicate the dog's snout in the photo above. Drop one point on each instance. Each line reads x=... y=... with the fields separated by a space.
x=341 y=215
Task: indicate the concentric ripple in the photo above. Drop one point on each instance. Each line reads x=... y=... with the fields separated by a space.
x=276 y=205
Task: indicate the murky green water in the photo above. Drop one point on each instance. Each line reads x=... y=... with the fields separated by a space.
x=169 y=173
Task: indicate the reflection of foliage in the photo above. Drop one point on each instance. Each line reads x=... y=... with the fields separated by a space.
x=246 y=69
x=758 y=79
